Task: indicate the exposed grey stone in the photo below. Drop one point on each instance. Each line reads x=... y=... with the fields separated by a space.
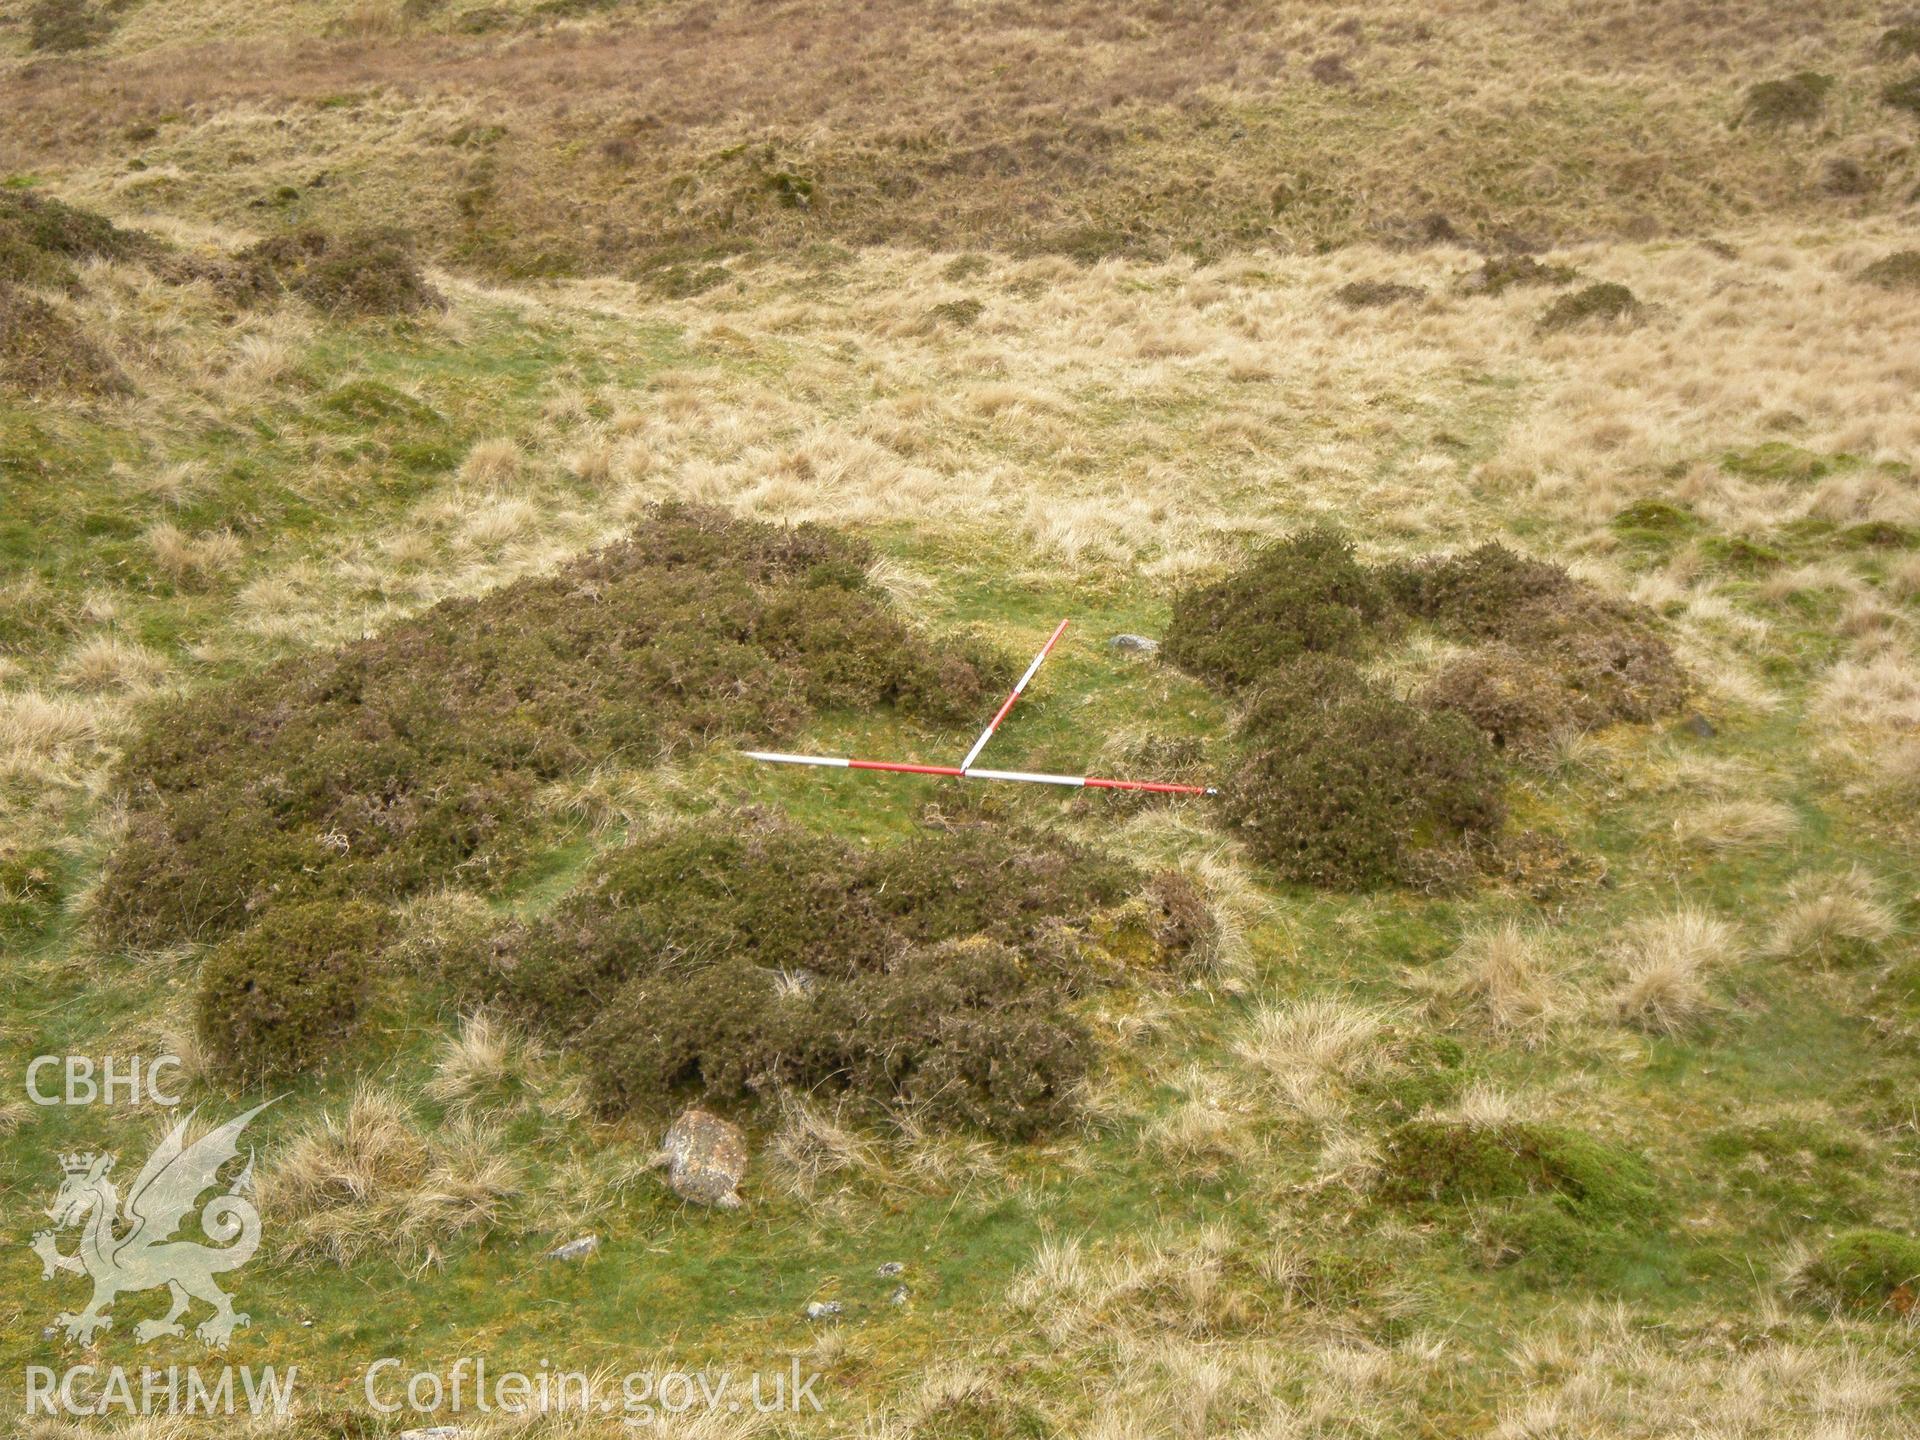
x=892 y=1267
x=823 y=1309
x=1139 y=644
x=575 y=1249
x=705 y=1159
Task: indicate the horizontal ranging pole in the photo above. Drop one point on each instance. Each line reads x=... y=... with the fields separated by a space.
x=902 y=767
x=966 y=770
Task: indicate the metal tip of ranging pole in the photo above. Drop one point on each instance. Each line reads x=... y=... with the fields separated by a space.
x=967 y=770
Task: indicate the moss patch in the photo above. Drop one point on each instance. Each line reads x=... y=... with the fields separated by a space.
x=1866 y=1271
x=1449 y=1162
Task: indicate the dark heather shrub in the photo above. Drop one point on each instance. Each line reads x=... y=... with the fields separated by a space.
x=281 y=998
x=43 y=351
x=1476 y=594
x=1373 y=294
x=798 y=906
x=981 y=881
x=739 y=957
x=1515 y=701
x=40 y=237
x=1183 y=923
x=1603 y=303
x=1796 y=100
x=411 y=758
x=60 y=26
x=959 y=1033
x=1343 y=785
x=1610 y=662
x=363 y=273
x=1501 y=273
x=1903 y=95
x=1306 y=594
x=1898 y=271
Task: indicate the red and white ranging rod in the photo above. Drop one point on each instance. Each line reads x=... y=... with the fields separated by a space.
x=967 y=770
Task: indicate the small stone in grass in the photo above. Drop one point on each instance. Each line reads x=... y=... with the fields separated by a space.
x=575 y=1249
x=705 y=1158
x=822 y=1309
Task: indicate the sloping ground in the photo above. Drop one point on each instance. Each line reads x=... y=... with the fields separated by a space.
x=1610 y=1135
x=560 y=139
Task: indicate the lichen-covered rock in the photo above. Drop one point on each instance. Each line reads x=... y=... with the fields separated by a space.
x=705 y=1159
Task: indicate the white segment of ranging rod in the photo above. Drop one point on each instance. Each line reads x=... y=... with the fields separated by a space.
x=779 y=759
x=1028 y=776
x=1007 y=704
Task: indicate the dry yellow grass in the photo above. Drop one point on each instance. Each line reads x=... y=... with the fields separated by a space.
x=1666 y=962
x=370 y=1179
x=619 y=132
x=1507 y=977
x=1826 y=916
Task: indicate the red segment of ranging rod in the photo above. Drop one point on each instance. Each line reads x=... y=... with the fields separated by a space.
x=994 y=724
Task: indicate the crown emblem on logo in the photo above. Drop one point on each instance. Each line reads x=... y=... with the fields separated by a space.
x=78 y=1162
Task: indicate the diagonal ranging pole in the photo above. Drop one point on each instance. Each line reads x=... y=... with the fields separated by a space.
x=994 y=724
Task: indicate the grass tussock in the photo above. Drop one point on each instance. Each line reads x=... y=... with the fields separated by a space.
x=1505 y=977
x=1666 y=965
x=1833 y=919
x=370 y=1180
